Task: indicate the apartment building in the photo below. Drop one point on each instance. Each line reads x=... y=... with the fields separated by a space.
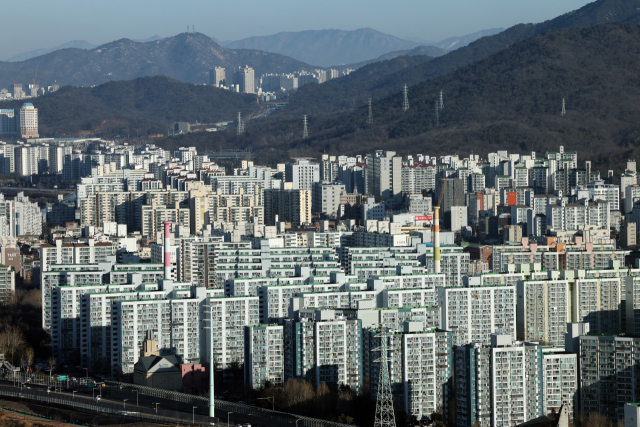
x=472 y=314
x=174 y=322
x=507 y=383
x=292 y=206
x=327 y=349
x=263 y=356
x=609 y=374
x=7 y=283
x=543 y=310
x=420 y=364
x=302 y=174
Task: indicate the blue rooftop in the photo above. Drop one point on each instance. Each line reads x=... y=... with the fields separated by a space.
x=27 y=104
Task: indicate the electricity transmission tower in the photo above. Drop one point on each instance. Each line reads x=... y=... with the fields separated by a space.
x=305 y=134
x=564 y=112
x=441 y=100
x=240 y=125
x=384 y=402
x=405 y=103
x=370 y=119
x=437 y=109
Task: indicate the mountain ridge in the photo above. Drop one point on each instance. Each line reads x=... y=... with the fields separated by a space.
x=510 y=100
x=186 y=57
x=147 y=105
x=326 y=98
x=328 y=47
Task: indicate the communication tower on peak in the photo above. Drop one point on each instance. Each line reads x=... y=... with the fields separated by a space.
x=405 y=103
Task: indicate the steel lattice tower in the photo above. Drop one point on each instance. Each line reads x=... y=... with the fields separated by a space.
x=441 y=100
x=385 y=416
x=405 y=103
x=240 y=125
x=305 y=133
x=370 y=119
x=437 y=109
x=564 y=112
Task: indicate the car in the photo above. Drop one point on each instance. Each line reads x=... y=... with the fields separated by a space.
x=246 y=425
x=97 y=398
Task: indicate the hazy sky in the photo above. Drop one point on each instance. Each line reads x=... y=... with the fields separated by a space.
x=47 y=23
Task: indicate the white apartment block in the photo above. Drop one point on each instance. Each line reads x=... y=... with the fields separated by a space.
x=596 y=301
x=559 y=381
x=230 y=316
x=608 y=374
x=263 y=355
x=22 y=217
x=472 y=314
x=302 y=175
x=543 y=310
x=174 y=323
x=327 y=349
x=498 y=385
x=420 y=364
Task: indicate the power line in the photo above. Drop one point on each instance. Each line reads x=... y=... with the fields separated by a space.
x=370 y=119
x=305 y=133
x=240 y=124
x=384 y=401
x=441 y=100
x=405 y=103
x=564 y=112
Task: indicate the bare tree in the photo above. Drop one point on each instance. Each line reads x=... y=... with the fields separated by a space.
x=12 y=342
x=597 y=420
x=29 y=355
x=51 y=361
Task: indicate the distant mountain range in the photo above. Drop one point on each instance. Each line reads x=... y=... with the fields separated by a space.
x=78 y=44
x=186 y=57
x=144 y=106
x=332 y=95
x=328 y=47
x=453 y=43
x=430 y=51
x=510 y=100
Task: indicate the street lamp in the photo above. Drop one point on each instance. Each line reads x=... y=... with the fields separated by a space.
x=74 y=399
x=136 y=391
x=272 y=399
x=193 y=421
x=228 y=413
x=157 y=407
x=297 y=419
x=124 y=403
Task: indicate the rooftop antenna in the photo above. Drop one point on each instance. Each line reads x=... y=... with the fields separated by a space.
x=240 y=124
x=305 y=134
x=370 y=119
x=564 y=112
x=384 y=401
x=405 y=103
x=441 y=100
x=437 y=108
